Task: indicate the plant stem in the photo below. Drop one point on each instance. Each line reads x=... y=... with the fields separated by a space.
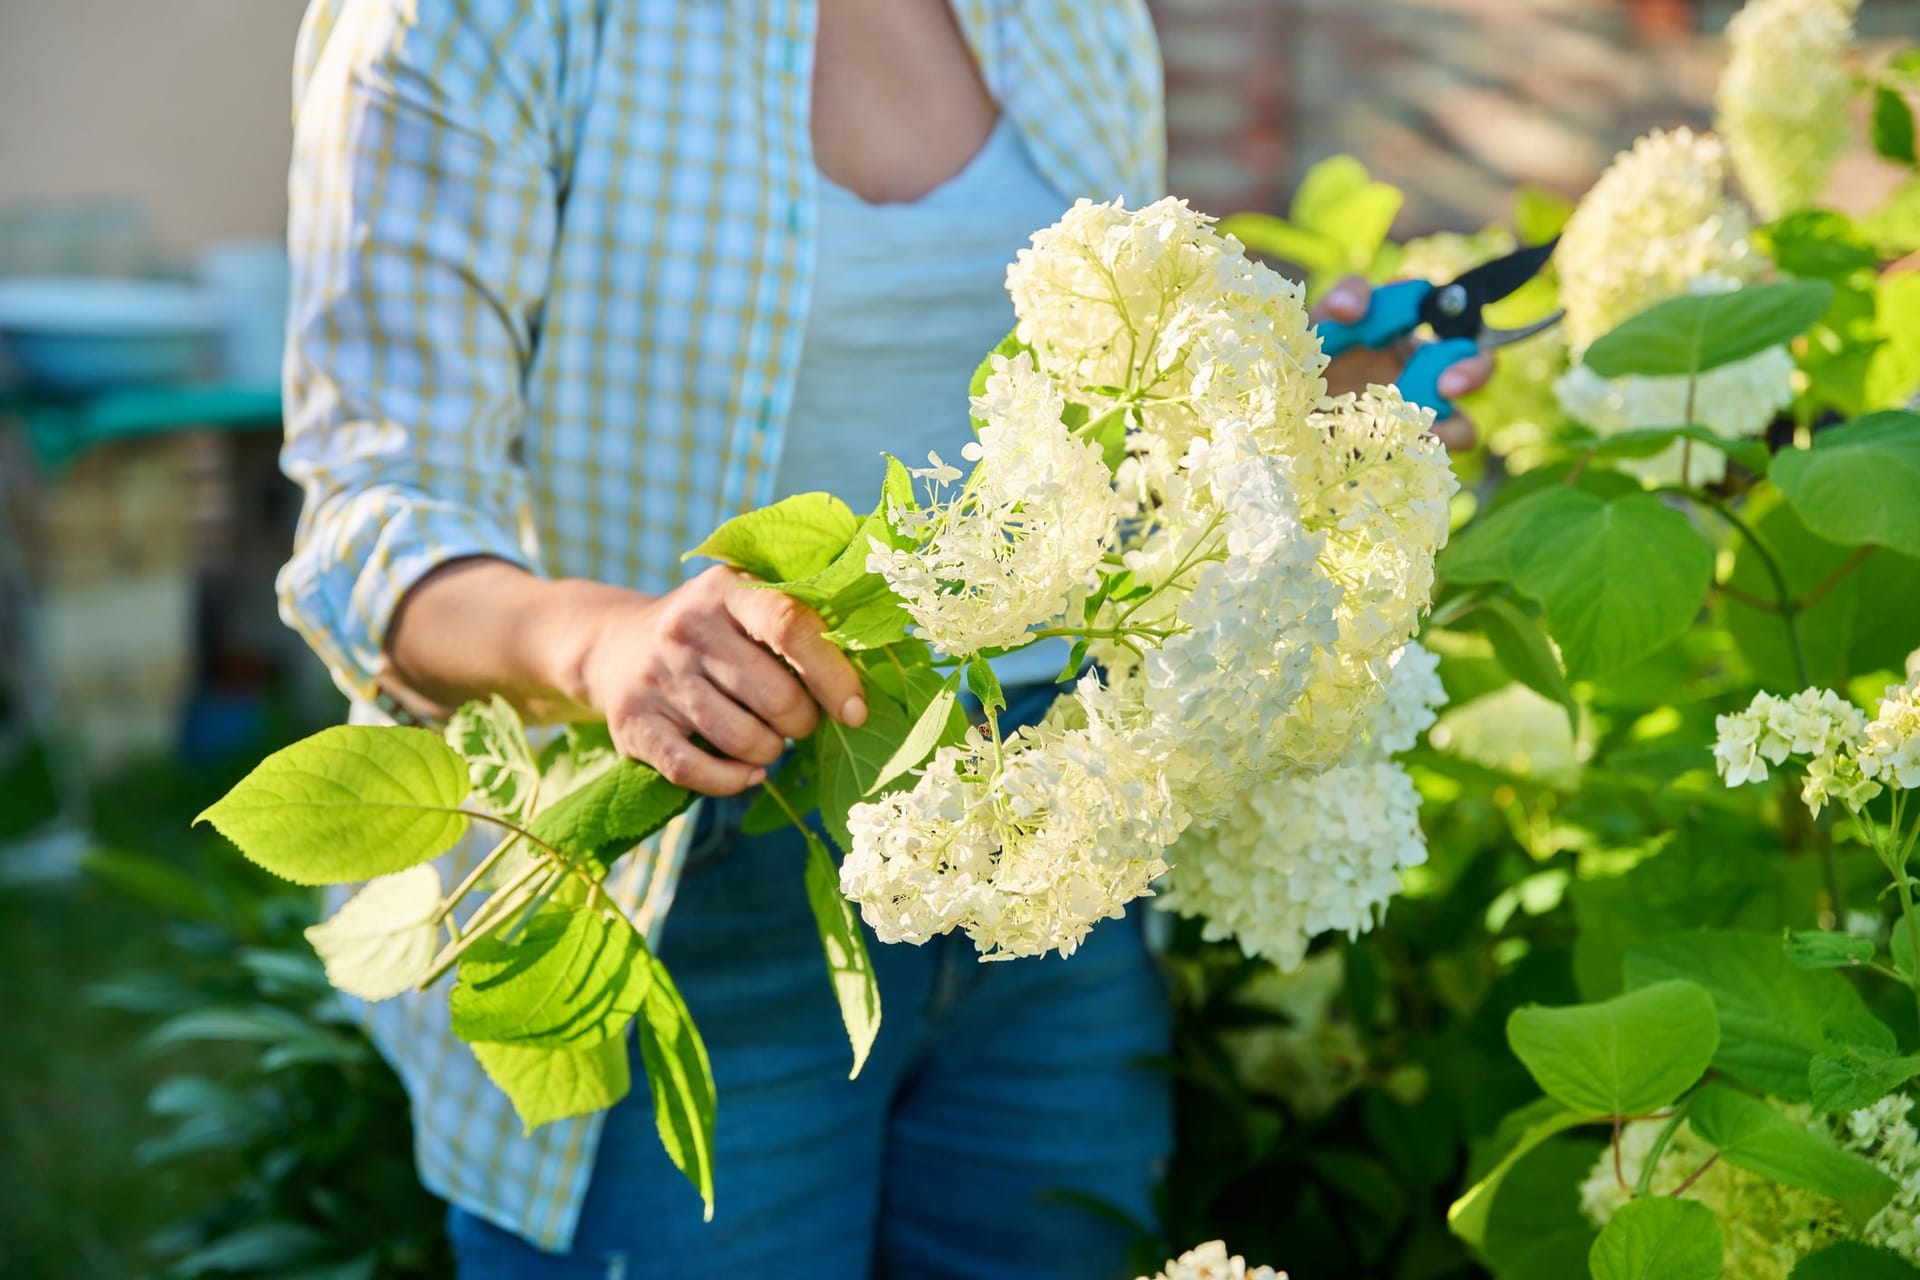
x=1644 y=1185
x=480 y=869
x=780 y=799
x=1782 y=593
x=1618 y=1176
x=1694 y=1177
x=482 y=923
x=1746 y=598
x=1832 y=580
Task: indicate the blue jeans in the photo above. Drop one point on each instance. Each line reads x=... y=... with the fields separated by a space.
x=996 y=1095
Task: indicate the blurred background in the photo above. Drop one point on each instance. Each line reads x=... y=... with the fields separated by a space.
x=178 y=1095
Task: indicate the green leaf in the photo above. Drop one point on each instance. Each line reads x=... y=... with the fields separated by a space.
x=1519 y=1133
x=1893 y=126
x=500 y=764
x=793 y=538
x=612 y=813
x=1265 y=234
x=1621 y=1057
x=1619 y=577
x=1818 y=243
x=1646 y=442
x=1701 y=331
x=574 y=976
x=353 y=802
x=1755 y=1137
x=855 y=988
x=984 y=685
x=1536 y=1231
x=1772 y=1015
x=1893 y=377
x=383 y=939
x=926 y=734
x=1539 y=215
x=680 y=1081
x=1658 y=1238
x=1524 y=653
x=1820 y=949
x=851 y=759
x=545 y=1085
x=1849 y=1077
x=1339 y=199
x=1856 y=486
x=1851 y=1260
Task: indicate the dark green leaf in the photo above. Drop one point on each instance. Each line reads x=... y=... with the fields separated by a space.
x=1658 y=1238
x=855 y=989
x=1701 y=331
x=350 y=803
x=1892 y=126
x=1520 y=1133
x=926 y=734
x=680 y=1081
x=545 y=1085
x=1849 y=1077
x=1757 y=1138
x=1857 y=485
x=851 y=759
x=574 y=976
x=1522 y=650
x=1772 y=1015
x=1818 y=243
x=612 y=813
x=1817 y=949
x=1620 y=1057
x=793 y=538
x=1851 y=1260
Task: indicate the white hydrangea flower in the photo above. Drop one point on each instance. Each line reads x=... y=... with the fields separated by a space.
x=382 y=940
x=1890 y=753
x=1658 y=223
x=1019 y=543
x=1298 y=856
x=1813 y=722
x=1212 y=1262
x=1784 y=97
x=1411 y=702
x=1738 y=401
x=1024 y=847
x=1885 y=1134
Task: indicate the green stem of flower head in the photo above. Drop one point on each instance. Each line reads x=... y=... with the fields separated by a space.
x=1193 y=557
x=1643 y=1186
x=474 y=876
x=786 y=806
x=485 y=921
x=1695 y=1176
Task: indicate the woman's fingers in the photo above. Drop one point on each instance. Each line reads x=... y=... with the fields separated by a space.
x=745 y=671
x=730 y=728
x=1455 y=432
x=797 y=634
x=668 y=747
x=1467 y=376
x=1346 y=302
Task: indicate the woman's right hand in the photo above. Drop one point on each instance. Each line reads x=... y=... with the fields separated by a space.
x=742 y=670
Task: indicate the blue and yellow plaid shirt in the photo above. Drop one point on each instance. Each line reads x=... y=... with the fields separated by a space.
x=551 y=264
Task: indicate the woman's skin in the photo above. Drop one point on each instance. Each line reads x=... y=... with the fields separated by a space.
x=898 y=108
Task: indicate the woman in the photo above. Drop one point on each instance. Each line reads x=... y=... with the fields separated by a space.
x=574 y=281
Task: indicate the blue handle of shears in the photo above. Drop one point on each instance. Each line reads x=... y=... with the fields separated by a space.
x=1393 y=314
x=1419 y=382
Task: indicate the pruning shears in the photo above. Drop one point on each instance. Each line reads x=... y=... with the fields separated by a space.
x=1454 y=313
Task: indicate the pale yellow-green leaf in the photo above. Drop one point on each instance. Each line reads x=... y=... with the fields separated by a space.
x=545 y=1085
x=383 y=939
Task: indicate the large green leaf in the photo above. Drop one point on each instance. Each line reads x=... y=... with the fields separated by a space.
x=572 y=977
x=850 y=760
x=1892 y=127
x=1658 y=1238
x=1818 y=243
x=610 y=814
x=350 y=803
x=1757 y=1138
x=1519 y=1133
x=1701 y=331
x=1619 y=577
x=1847 y=1077
x=793 y=538
x=860 y=608
x=1535 y=1230
x=680 y=1082
x=500 y=764
x=855 y=989
x=1851 y=1260
x=1524 y=653
x=1772 y=1014
x=545 y=1085
x=1620 y=1057
x=383 y=939
x=1858 y=484
x=1825 y=949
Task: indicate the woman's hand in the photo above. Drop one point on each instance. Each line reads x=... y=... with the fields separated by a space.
x=1362 y=366
x=740 y=669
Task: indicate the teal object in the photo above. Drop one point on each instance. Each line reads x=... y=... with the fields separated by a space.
x=62 y=428
x=1392 y=315
x=1419 y=382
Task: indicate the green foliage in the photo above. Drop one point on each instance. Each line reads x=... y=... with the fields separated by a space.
x=571 y=978
x=1621 y=1057
x=1851 y=1260
x=611 y=812
x=1856 y=486
x=792 y=539
x=1756 y=1137
x=1824 y=949
x=1893 y=125
x=1519 y=1134
x=849 y=761
x=855 y=988
x=1337 y=225
x=1697 y=332
x=350 y=803
x=1851 y=1076
x=1659 y=1239
x=679 y=1081
x=499 y=761
x=930 y=728
x=553 y=1084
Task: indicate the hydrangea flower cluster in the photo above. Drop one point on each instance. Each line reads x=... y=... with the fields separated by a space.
x=1659 y=224
x=1783 y=98
x=1247 y=562
x=1769 y=1226
x=1850 y=759
x=1211 y=1261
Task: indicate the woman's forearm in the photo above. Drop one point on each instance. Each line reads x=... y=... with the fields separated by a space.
x=473 y=628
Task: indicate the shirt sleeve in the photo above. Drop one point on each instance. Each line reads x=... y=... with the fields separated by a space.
x=423 y=201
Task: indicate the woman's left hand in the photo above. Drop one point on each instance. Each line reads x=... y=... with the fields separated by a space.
x=1362 y=367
